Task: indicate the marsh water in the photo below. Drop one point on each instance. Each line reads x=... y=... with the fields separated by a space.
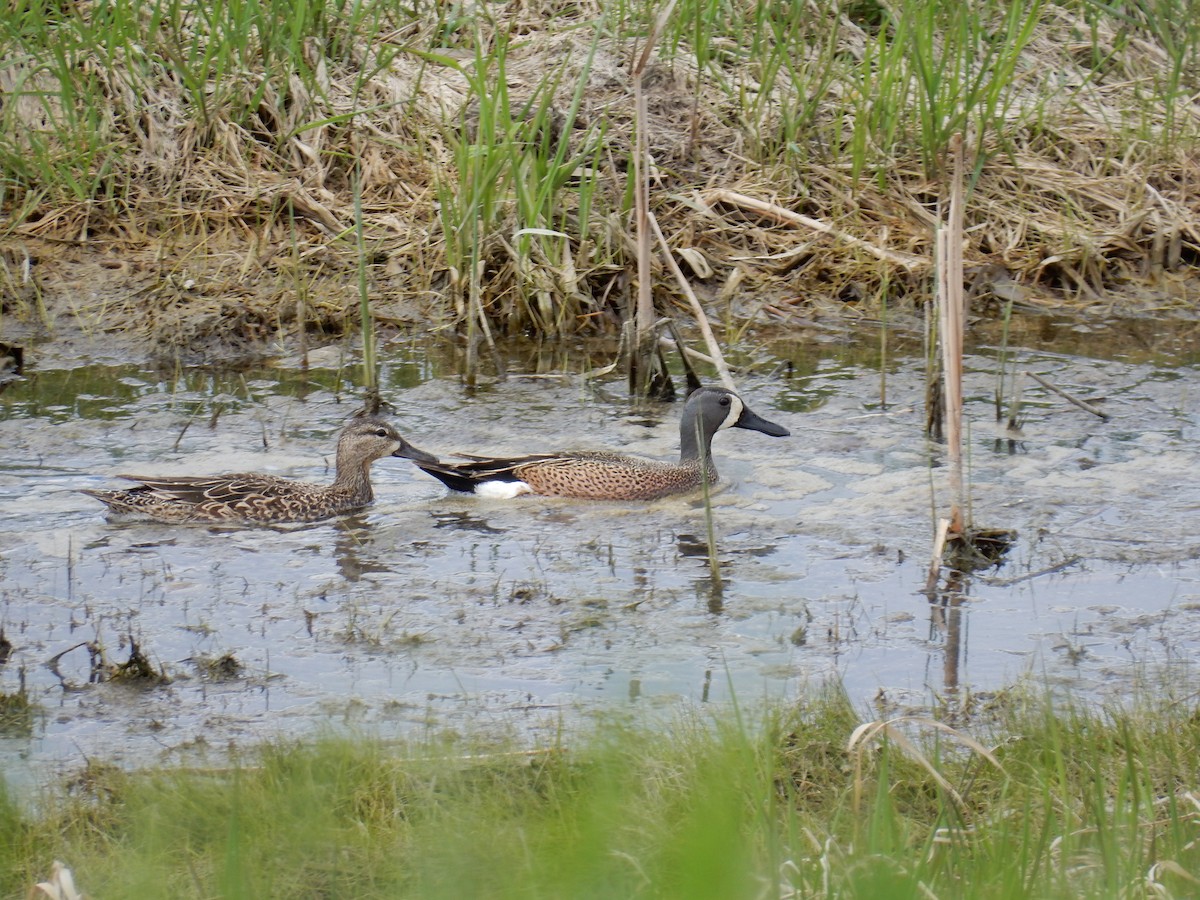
x=431 y=613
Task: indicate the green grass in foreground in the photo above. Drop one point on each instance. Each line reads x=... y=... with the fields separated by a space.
x=1065 y=804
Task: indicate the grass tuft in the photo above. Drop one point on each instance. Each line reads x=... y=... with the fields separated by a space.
x=1028 y=799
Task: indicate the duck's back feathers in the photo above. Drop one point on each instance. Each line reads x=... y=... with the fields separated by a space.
x=239 y=497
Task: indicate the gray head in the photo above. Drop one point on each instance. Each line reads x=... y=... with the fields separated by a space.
x=368 y=438
x=709 y=410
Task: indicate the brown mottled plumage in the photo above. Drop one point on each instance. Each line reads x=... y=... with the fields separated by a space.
x=603 y=475
x=255 y=499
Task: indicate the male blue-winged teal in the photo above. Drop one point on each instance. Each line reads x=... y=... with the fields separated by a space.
x=252 y=498
x=603 y=475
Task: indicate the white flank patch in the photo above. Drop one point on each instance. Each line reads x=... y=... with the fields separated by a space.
x=502 y=490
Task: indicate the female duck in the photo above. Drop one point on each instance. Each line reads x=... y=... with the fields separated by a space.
x=252 y=498
x=603 y=475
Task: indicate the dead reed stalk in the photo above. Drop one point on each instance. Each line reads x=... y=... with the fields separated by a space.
x=951 y=301
x=642 y=358
x=1069 y=397
x=715 y=357
x=905 y=261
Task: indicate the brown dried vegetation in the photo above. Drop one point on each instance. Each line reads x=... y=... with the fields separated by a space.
x=217 y=210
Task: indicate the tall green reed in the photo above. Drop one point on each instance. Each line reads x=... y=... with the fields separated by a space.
x=543 y=164
x=470 y=201
x=1174 y=27
x=80 y=82
x=520 y=193
x=56 y=141
x=927 y=70
x=965 y=61
x=797 y=57
x=773 y=63
x=961 y=60
x=879 y=107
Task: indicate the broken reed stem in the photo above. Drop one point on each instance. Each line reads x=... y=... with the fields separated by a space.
x=883 y=340
x=714 y=349
x=366 y=322
x=1070 y=398
x=935 y=410
x=935 y=561
x=714 y=563
x=641 y=355
x=297 y=280
x=1013 y=422
x=474 y=316
x=951 y=300
x=478 y=329
x=644 y=318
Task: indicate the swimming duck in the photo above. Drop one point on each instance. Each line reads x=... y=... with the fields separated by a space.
x=604 y=475
x=252 y=498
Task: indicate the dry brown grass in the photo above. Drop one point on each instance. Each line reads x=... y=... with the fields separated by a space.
x=217 y=225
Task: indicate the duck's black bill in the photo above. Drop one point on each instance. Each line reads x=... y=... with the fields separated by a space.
x=408 y=451
x=755 y=422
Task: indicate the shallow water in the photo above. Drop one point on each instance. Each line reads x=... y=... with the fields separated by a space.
x=431 y=613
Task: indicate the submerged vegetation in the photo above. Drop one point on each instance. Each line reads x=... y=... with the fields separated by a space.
x=1068 y=803
x=216 y=172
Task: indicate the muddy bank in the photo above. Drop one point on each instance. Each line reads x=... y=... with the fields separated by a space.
x=111 y=305
x=112 y=302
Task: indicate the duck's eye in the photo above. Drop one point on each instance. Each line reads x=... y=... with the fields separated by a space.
x=381 y=432
x=724 y=401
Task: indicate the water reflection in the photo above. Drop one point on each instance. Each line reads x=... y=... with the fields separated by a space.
x=352 y=549
x=945 y=626
x=711 y=591
x=463 y=521
x=1008 y=446
x=692 y=546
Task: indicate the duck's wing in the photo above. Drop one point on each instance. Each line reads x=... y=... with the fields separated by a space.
x=467 y=476
x=227 y=490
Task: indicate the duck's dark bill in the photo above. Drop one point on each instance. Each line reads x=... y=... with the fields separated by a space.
x=755 y=422
x=408 y=451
